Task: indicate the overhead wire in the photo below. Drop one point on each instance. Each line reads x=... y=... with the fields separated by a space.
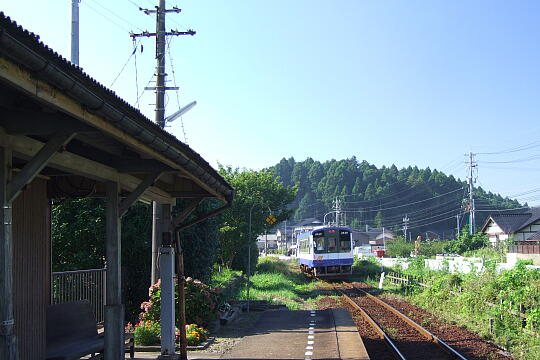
x=125 y=64
x=115 y=14
x=168 y=42
x=105 y=17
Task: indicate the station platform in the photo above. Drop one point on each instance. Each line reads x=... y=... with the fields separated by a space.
x=316 y=334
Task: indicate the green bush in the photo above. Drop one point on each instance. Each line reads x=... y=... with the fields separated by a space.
x=399 y=247
x=195 y=334
x=201 y=303
x=147 y=333
x=467 y=242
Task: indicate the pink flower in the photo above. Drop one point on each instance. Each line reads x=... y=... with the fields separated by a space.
x=146 y=306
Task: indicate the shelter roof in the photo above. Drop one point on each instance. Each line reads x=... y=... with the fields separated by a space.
x=39 y=83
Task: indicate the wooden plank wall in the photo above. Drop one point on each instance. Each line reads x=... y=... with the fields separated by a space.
x=32 y=269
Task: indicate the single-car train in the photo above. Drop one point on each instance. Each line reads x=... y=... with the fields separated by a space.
x=326 y=251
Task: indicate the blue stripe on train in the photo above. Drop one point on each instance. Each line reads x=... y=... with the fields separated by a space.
x=328 y=262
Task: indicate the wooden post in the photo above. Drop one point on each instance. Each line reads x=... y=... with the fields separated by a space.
x=114 y=309
x=490 y=325
x=8 y=340
x=181 y=297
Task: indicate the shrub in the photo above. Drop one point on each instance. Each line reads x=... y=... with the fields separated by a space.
x=201 y=302
x=146 y=333
x=194 y=334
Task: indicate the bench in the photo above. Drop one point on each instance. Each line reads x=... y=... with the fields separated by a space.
x=72 y=332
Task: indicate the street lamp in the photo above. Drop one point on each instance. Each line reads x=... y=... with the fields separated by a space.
x=249 y=248
x=324 y=218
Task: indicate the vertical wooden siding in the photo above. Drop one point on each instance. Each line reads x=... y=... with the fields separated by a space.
x=31 y=277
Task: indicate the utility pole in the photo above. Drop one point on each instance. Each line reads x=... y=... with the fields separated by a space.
x=405 y=226
x=471 y=179
x=457 y=228
x=75 y=32
x=337 y=209
x=160 y=88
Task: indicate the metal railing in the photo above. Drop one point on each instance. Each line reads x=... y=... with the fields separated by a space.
x=78 y=285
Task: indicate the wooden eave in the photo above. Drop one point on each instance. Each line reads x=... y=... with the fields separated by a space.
x=99 y=151
x=55 y=106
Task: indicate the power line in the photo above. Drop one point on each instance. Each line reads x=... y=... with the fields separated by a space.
x=105 y=17
x=175 y=85
x=125 y=64
x=412 y=203
x=115 y=14
x=532 y=145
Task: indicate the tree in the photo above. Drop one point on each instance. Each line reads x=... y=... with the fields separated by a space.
x=256 y=191
x=467 y=242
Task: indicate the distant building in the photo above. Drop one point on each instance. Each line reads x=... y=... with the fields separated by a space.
x=520 y=226
x=267 y=241
x=375 y=238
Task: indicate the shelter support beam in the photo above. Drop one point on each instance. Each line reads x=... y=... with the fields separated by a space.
x=185 y=213
x=75 y=164
x=38 y=162
x=148 y=181
x=114 y=309
x=8 y=341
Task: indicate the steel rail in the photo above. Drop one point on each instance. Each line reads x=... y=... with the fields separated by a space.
x=380 y=332
x=447 y=348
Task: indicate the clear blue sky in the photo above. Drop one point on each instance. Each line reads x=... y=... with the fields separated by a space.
x=392 y=82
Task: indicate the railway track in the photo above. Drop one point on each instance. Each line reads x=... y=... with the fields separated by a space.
x=405 y=338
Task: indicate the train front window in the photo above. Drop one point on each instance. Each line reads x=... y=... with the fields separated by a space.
x=318 y=242
x=344 y=241
x=332 y=245
x=319 y=245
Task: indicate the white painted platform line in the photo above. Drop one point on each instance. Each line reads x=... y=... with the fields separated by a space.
x=311 y=337
x=309 y=347
x=308 y=353
x=310 y=342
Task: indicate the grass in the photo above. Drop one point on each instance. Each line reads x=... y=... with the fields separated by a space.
x=283 y=284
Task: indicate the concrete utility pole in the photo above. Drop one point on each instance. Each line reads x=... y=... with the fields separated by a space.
x=167 y=346
x=471 y=180
x=337 y=209
x=405 y=226
x=458 y=229
x=160 y=89
x=75 y=32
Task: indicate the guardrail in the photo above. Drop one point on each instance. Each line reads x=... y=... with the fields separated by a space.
x=78 y=285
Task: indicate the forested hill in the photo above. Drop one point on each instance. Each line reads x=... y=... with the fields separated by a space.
x=382 y=197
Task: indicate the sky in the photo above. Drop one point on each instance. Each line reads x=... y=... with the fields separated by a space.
x=391 y=82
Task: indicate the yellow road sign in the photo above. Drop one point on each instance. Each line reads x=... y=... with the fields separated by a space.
x=271 y=220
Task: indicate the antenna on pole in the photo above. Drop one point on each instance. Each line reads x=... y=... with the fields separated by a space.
x=75 y=31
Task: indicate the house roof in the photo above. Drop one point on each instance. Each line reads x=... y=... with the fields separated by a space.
x=24 y=49
x=513 y=222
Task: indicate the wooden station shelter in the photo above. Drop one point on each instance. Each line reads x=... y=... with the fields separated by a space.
x=62 y=133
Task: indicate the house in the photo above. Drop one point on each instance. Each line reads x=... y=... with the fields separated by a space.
x=522 y=228
x=267 y=241
x=374 y=238
x=303 y=226
x=517 y=226
x=64 y=135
